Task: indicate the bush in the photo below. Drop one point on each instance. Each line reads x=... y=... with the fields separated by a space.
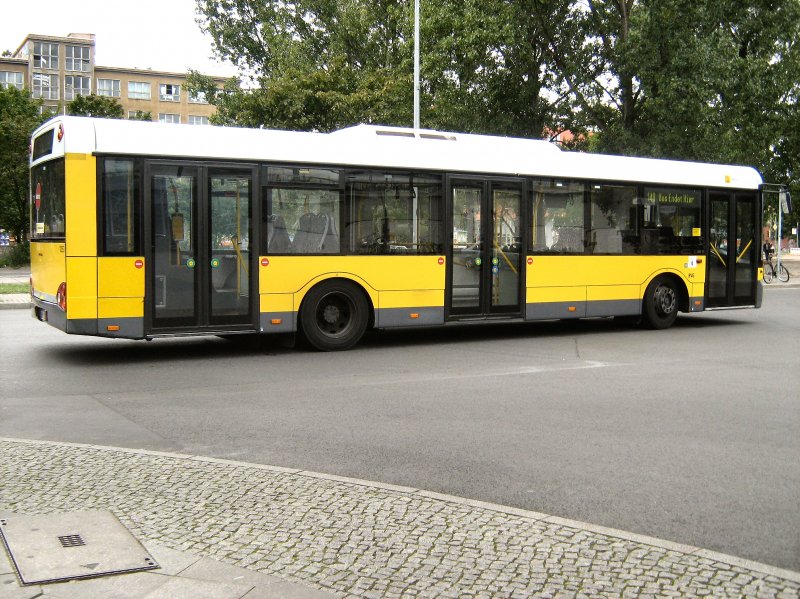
x=16 y=255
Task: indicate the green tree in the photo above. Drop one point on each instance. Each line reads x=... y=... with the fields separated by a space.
x=19 y=116
x=708 y=80
x=322 y=64
x=96 y=106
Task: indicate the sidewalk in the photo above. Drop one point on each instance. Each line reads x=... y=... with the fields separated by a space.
x=19 y=276
x=230 y=529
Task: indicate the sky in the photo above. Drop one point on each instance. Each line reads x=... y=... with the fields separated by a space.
x=158 y=34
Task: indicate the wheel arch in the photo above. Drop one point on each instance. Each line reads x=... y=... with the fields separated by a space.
x=369 y=293
x=681 y=285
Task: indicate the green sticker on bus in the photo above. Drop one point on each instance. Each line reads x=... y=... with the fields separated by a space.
x=190 y=263
x=215 y=263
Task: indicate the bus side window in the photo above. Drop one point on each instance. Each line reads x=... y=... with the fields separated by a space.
x=558 y=217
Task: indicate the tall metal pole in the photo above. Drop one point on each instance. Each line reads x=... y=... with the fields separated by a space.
x=416 y=64
x=778 y=236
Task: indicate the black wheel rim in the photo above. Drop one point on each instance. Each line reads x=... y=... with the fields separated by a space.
x=335 y=315
x=664 y=300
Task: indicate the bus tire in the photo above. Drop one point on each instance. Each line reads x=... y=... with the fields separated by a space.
x=334 y=315
x=661 y=303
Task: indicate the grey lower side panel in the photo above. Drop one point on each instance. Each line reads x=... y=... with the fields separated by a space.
x=759 y=294
x=614 y=308
x=129 y=328
x=82 y=326
x=386 y=318
x=550 y=310
x=695 y=307
x=288 y=322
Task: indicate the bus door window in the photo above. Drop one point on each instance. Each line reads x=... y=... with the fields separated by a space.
x=506 y=248
x=229 y=197
x=747 y=253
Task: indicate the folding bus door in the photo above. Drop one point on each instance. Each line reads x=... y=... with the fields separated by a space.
x=733 y=252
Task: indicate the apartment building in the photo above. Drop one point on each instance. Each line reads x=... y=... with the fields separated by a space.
x=57 y=69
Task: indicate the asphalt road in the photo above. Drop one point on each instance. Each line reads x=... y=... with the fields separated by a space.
x=689 y=434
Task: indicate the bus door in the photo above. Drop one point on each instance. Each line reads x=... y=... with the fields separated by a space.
x=485 y=277
x=733 y=252
x=199 y=231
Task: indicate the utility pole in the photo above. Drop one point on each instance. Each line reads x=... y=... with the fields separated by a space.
x=416 y=64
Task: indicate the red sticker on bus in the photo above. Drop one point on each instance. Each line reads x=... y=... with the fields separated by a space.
x=530 y=260
x=441 y=260
x=139 y=263
x=38 y=196
x=264 y=261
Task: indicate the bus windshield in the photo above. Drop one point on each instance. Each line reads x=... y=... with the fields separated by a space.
x=47 y=200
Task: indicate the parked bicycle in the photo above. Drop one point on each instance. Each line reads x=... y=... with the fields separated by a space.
x=771 y=271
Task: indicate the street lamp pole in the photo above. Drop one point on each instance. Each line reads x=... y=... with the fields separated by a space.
x=416 y=64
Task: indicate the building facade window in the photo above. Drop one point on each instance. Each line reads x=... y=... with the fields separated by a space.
x=11 y=79
x=45 y=55
x=77 y=59
x=45 y=86
x=136 y=115
x=169 y=118
x=76 y=86
x=198 y=98
x=198 y=120
x=138 y=90
x=108 y=87
x=169 y=92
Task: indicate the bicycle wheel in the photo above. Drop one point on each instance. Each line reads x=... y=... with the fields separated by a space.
x=768 y=273
x=783 y=274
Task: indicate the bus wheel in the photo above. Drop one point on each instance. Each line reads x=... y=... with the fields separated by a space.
x=661 y=303
x=334 y=315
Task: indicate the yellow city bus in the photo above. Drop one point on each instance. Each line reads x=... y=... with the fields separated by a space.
x=144 y=230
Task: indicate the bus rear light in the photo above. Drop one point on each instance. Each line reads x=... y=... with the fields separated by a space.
x=62 y=296
x=699 y=260
x=60 y=131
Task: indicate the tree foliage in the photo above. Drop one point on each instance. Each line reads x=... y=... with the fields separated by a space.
x=19 y=116
x=96 y=106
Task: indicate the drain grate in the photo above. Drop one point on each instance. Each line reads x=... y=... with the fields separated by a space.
x=72 y=541
x=70 y=546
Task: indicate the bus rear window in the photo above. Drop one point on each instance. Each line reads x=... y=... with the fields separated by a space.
x=43 y=144
x=47 y=200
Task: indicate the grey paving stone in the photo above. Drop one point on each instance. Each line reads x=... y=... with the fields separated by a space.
x=122 y=586
x=171 y=562
x=187 y=588
x=208 y=569
x=11 y=589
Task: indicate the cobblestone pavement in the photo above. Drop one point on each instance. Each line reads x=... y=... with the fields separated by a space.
x=363 y=539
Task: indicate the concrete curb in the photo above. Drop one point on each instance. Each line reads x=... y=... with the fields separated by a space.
x=666 y=545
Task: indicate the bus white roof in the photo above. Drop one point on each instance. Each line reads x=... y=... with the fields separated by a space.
x=388 y=147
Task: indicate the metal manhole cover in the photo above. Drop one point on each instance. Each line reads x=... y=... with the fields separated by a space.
x=59 y=547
